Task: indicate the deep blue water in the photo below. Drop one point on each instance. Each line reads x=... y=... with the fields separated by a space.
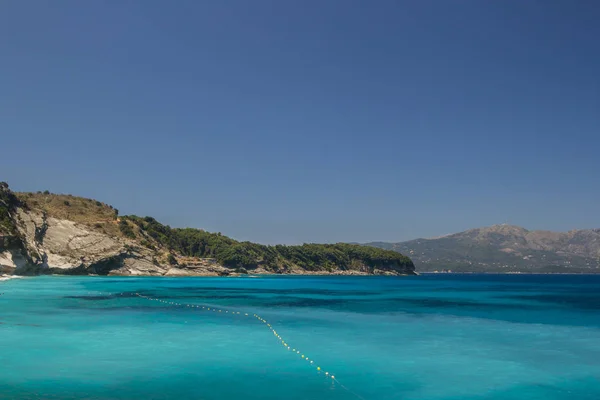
x=432 y=337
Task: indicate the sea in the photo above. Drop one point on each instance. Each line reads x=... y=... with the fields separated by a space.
x=427 y=337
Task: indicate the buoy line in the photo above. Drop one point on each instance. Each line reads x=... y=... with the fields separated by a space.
x=265 y=323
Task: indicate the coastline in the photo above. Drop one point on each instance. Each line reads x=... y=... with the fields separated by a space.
x=507 y=273
x=4 y=278
x=215 y=275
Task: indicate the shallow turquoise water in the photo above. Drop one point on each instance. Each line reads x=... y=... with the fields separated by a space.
x=428 y=338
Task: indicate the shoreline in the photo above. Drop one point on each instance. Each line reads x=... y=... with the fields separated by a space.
x=233 y=275
x=508 y=273
x=4 y=278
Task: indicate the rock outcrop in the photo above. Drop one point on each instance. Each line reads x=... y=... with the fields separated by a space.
x=57 y=246
x=11 y=259
x=33 y=242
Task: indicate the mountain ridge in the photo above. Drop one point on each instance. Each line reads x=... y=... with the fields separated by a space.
x=504 y=248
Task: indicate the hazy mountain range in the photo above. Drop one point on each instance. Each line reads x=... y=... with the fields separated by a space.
x=504 y=248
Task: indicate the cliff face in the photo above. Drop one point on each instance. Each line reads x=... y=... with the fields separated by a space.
x=12 y=256
x=61 y=234
x=56 y=234
x=47 y=245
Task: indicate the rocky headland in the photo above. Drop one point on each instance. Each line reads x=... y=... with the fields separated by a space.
x=45 y=233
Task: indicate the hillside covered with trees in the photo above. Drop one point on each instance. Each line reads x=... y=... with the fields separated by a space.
x=247 y=255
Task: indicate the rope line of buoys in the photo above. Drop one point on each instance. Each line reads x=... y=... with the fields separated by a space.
x=281 y=340
x=268 y=325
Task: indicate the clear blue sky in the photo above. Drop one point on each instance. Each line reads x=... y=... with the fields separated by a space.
x=308 y=121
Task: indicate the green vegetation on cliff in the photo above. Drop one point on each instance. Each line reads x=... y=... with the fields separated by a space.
x=8 y=203
x=231 y=253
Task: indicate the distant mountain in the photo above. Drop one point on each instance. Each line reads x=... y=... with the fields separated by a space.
x=504 y=248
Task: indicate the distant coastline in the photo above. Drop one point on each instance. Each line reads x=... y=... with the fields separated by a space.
x=505 y=249
x=505 y=273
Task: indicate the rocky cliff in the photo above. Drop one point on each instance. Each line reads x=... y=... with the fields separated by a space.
x=43 y=244
x=44 y=233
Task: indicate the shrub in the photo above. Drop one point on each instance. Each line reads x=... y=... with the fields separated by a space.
x=46 y=192
x=147 y=244
x=126 y=229
x=66 y=202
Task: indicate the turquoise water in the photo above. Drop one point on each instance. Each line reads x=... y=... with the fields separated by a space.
x=428 y=337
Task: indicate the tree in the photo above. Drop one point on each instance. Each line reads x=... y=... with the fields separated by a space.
x=233 y=254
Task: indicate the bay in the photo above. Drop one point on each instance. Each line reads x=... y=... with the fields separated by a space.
x=428 y=337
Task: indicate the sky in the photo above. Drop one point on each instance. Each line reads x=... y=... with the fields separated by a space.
x=308 y=121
